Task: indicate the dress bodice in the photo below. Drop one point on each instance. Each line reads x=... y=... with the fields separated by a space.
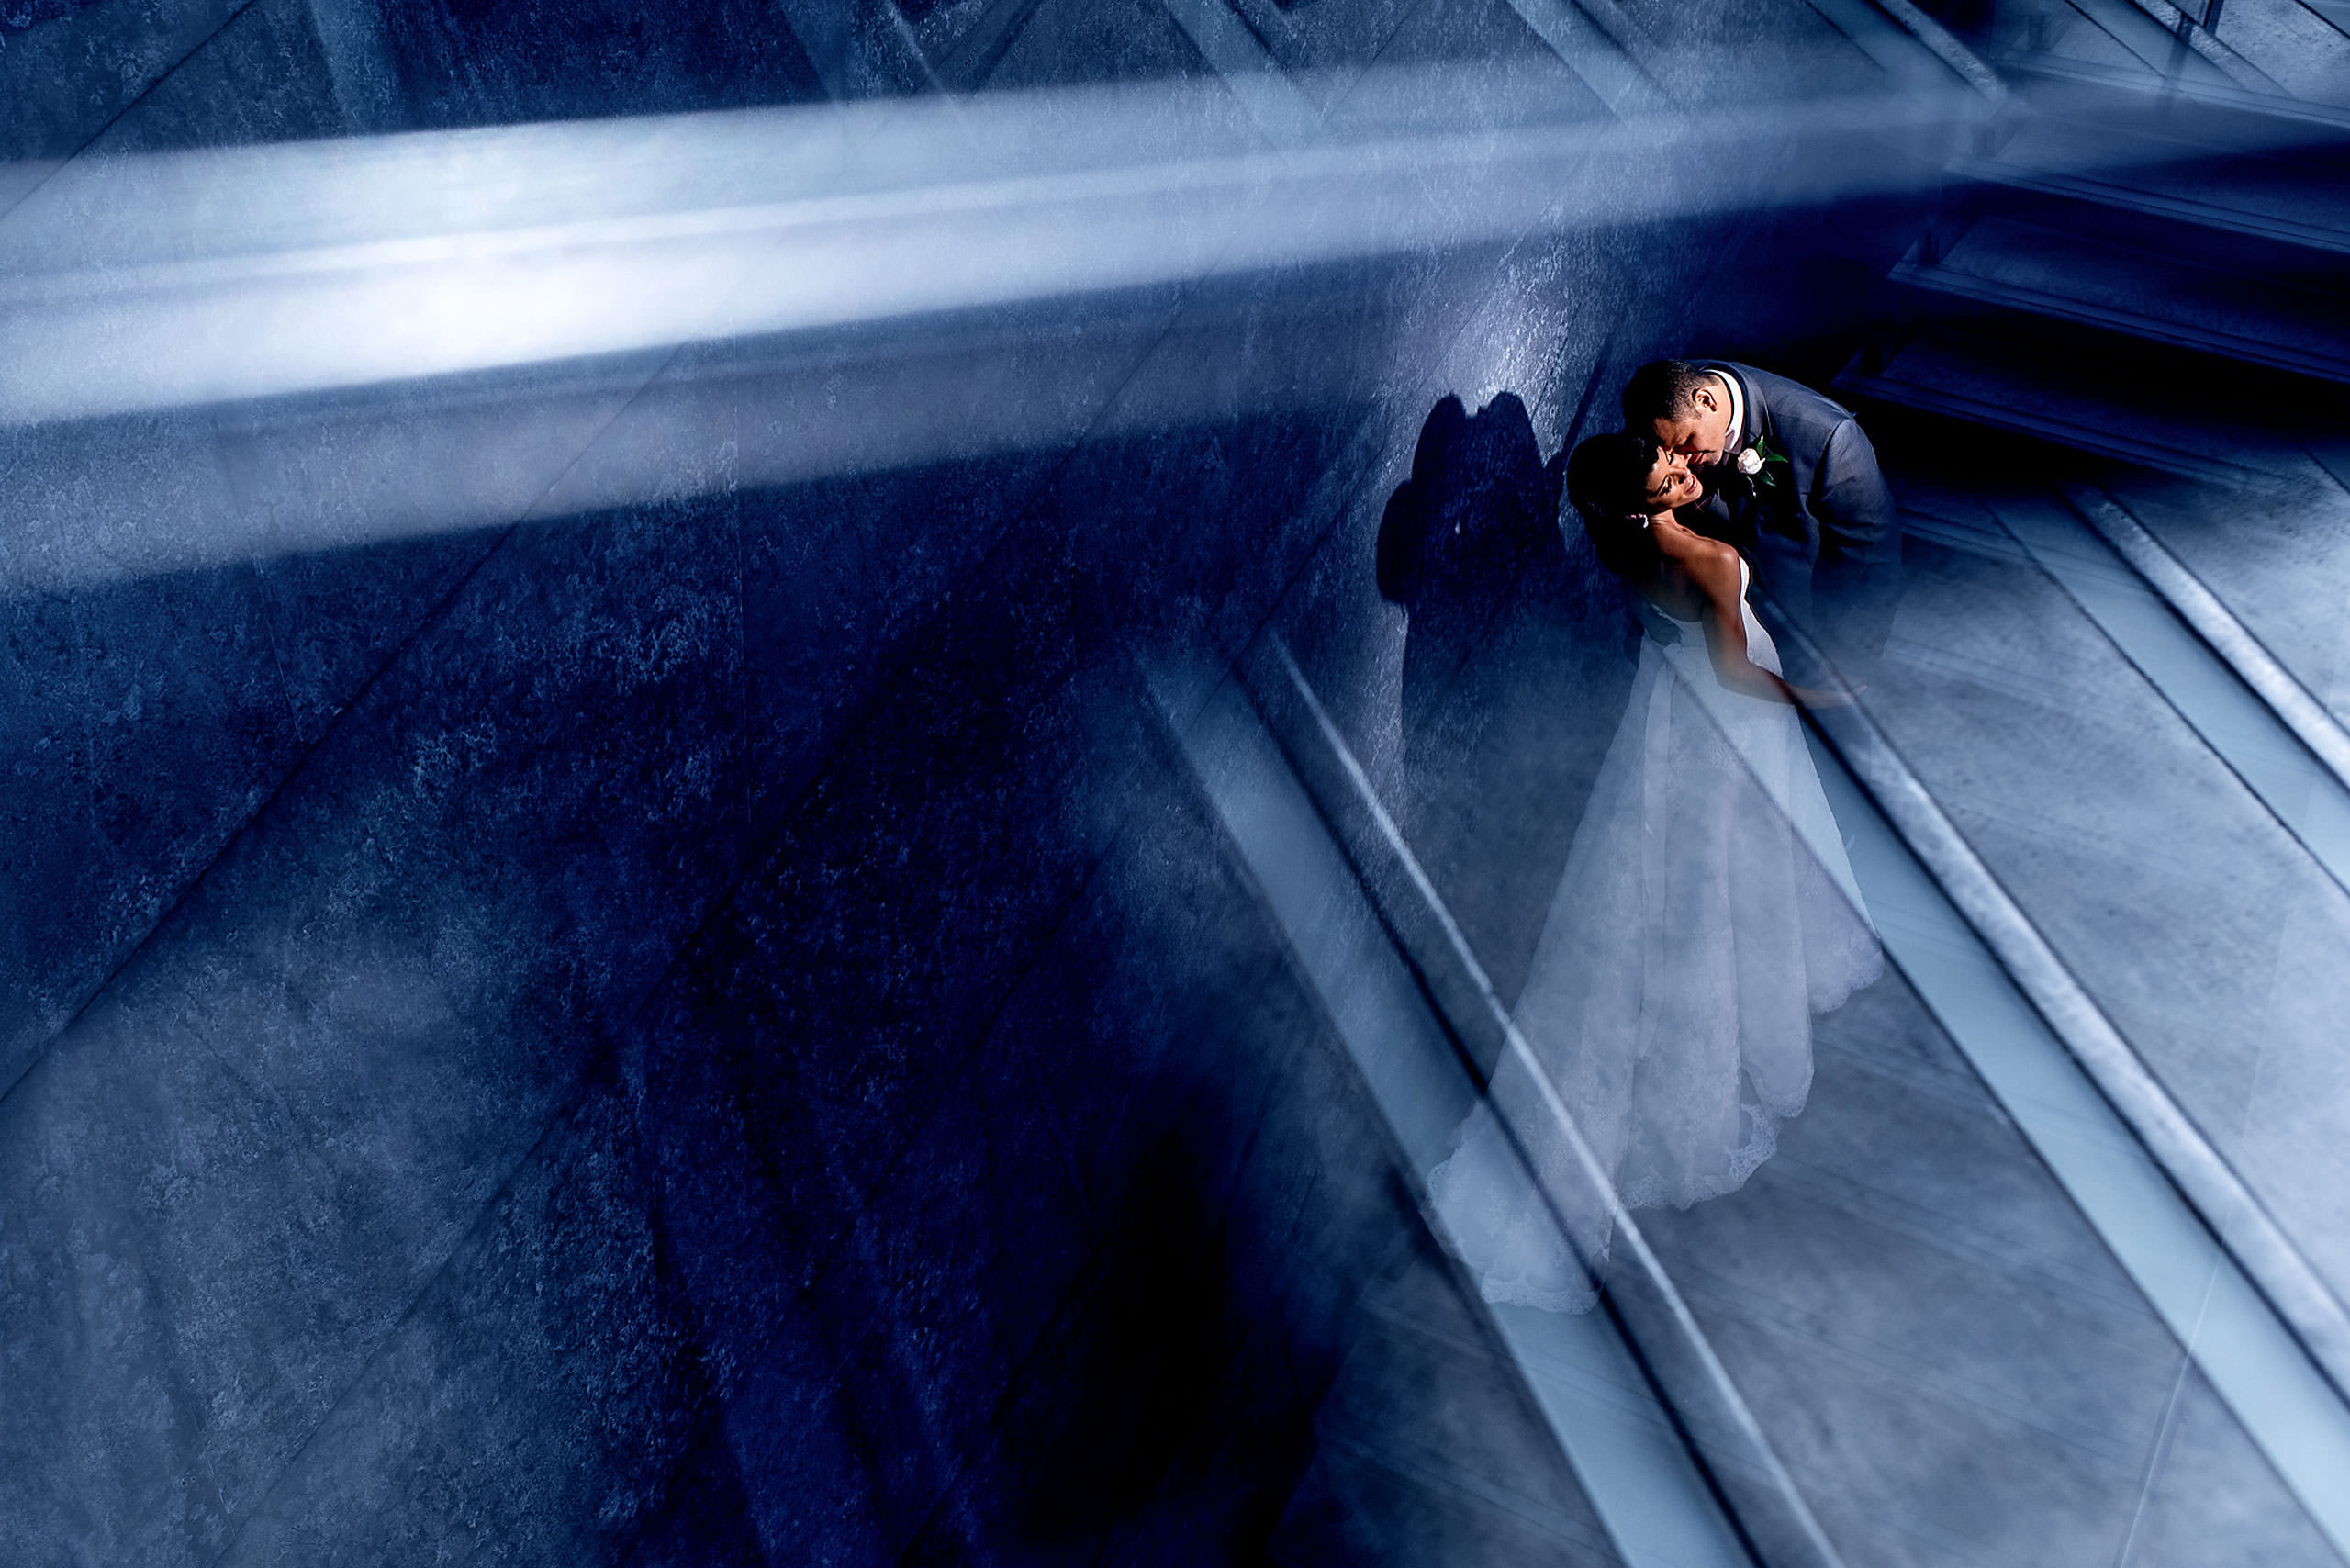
x=1690 y=650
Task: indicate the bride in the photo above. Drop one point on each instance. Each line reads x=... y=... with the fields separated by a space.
x=1705 y=913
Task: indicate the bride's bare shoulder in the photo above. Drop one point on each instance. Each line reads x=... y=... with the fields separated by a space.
x=1711 y=564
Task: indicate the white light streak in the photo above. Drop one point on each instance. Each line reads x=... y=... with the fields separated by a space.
x=184 y=279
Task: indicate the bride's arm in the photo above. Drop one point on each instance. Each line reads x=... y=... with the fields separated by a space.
x=1717 y=574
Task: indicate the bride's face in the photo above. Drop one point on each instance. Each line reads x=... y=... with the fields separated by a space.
x=1671 y=484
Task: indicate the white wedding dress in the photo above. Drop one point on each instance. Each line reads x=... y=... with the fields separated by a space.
x=1707 y=913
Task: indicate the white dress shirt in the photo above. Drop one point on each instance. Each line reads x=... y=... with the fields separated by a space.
x=1735 y=440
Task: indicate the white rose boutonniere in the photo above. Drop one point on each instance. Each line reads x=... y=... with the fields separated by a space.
x=1760 y=465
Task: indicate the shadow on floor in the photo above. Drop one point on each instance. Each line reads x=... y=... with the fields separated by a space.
x=1513 y=670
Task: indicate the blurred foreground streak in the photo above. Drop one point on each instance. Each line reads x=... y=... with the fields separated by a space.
x=858 y=287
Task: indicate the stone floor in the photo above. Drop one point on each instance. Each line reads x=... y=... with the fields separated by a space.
x=623 y=962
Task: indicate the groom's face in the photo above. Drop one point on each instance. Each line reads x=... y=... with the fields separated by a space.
x=1701 y=432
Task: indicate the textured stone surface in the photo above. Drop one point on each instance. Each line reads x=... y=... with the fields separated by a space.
x=614 y=963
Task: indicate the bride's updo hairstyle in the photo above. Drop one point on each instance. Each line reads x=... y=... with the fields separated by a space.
x=1608 y=480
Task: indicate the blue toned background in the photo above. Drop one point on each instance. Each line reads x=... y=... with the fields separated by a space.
x=613 y=957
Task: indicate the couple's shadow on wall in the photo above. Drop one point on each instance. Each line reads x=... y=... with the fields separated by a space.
x=1515 y=671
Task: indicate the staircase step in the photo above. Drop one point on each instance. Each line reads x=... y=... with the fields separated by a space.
x=2321 y=232
x=2055 y=41
x=1895 y=50
x=1907 y=1277
x=1947 y=753
x=2065 y=70
x=2242 y=164
x=2279 y=565
x=2099 y=397
x=2294 y=43
x=2044 y=272
x=2153 y=44
x=1429 y=1449
x=2068 y=811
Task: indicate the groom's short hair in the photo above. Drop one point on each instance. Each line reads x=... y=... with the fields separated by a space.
x=1661 y=389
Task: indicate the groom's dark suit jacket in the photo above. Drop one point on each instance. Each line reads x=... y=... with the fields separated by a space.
x=1825 y=540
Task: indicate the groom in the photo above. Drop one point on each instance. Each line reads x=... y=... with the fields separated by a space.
x=1792 y=481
